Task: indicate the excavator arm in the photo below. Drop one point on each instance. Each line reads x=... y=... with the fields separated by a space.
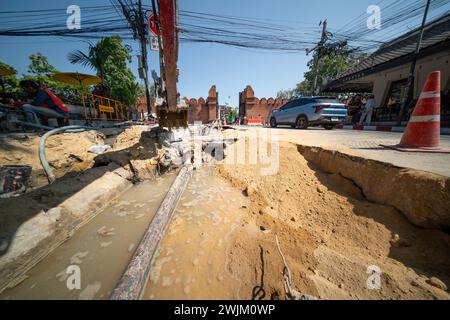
x=170 y=114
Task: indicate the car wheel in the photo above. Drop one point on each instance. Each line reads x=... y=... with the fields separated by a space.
x=273 y=122
x=302 y=123
x=328 y=127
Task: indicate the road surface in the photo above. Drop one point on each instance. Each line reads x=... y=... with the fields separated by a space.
x=367 y=144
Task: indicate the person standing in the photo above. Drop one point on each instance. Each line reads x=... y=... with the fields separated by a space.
x=368 y=110
x=355 y=107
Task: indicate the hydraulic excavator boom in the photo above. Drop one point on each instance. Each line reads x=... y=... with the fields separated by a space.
x=170 y=114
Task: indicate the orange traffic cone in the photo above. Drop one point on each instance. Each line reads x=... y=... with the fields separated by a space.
x=423 y=132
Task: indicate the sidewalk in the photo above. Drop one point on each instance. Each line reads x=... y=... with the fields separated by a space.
x=445 y=131
x=367 y=144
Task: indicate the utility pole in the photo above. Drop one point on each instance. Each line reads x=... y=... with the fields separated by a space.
x=160 y=51
x=320 y=49
x=408 y=95
x=142 y=32
x=137 y=20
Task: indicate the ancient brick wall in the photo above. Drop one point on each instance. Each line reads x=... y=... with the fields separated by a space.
x=201 y=109
x=253 y=108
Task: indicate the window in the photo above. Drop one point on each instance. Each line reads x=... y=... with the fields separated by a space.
x=295 y=103
x=288 y=105
x=391 y=107
x=326 y=100
x=301 y=102
x=395 y=94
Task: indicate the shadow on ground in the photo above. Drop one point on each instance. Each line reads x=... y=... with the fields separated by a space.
x=14 y=212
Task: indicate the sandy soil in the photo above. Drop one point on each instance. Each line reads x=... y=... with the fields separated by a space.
x=331 y=236
x=65 y=153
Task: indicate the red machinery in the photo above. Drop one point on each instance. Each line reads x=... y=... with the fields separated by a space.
x=167 y=24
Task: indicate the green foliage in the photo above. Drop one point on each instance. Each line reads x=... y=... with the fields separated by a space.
x=10 y=83
x=39 y=66
x=330 y=66
x=95 y=58
x=110 y=58
x=41 y=71
x=286 y=94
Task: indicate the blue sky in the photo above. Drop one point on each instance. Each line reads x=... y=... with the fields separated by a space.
x=202 y=65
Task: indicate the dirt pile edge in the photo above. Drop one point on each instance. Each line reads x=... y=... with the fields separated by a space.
x=422 y=197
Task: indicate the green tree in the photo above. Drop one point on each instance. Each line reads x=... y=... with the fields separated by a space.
x=330 y=66
x=10 y=84
x=286 y=94
x=94 y=59
x=41 y=71
x=110 y=58
x=39 y=66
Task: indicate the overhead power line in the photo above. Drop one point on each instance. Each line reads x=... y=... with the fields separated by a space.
x=240 y=32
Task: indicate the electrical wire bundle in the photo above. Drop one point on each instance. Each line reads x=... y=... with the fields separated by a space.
x=398 y=16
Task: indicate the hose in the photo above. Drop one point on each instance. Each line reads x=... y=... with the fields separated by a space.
x=43 y=158
x=33 y=125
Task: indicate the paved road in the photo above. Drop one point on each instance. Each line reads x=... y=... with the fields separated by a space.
x=367 y=144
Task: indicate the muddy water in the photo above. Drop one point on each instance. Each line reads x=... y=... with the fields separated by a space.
x=101 y=248
x=192 y=260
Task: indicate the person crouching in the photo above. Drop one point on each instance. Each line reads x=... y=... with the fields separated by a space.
x=44 y=106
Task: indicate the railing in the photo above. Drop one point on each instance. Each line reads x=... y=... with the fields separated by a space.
x=101 y=108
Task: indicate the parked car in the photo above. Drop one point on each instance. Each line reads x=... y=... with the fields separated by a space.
x=310 y=111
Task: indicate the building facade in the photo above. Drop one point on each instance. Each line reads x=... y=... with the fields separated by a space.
x=385 y=72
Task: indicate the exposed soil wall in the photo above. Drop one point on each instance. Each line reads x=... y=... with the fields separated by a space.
x=331 y=235
x=424 y=198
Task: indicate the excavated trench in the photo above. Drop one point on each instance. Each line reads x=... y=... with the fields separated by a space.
x=101 y=248
x=336 y=216
x=339 y=219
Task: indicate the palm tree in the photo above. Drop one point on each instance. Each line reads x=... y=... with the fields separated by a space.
x=95 y=59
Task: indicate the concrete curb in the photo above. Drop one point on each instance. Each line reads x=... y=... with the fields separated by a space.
x=445 y=131
x=46 y=231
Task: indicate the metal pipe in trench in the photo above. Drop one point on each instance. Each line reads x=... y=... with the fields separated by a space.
x=132 y=284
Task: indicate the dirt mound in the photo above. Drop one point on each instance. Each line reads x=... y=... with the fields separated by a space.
x=128 y=138
x=65 y=153
x=333 y=237
x=136 y=148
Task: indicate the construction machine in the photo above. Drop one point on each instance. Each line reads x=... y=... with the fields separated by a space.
x=170 y=112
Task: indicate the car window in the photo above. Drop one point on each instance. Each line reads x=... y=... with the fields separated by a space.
x=304 y=101
x=287 y=106
x=295 y=103
x=326 y=100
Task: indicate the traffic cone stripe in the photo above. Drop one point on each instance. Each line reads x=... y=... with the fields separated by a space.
x=430 y=94
x=423 y=131
x=432 y=118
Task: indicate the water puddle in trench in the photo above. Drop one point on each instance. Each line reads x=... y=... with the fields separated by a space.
x=191 y=262
x=102 y=248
